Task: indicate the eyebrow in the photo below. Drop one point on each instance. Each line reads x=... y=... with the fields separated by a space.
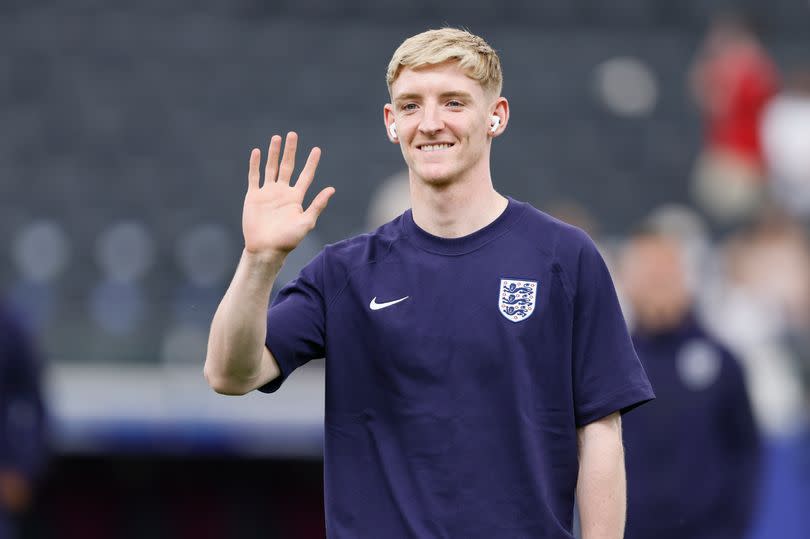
x=444 y=95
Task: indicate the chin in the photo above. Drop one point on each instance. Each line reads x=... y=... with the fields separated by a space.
x=437 y=177
x=437 y=181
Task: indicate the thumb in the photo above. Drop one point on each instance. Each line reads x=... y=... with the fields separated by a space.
x=319 y=204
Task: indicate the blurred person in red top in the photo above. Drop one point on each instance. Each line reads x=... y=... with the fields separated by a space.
x=732 y=80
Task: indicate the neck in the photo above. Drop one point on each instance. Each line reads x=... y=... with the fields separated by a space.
x=455 y=209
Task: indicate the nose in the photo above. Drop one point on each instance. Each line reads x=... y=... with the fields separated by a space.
x=431 y=121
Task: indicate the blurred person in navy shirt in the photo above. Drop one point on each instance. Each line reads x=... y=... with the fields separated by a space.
x=693 y=455
x=22 y=412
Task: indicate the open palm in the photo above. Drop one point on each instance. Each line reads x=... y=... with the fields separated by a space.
x=273 y=218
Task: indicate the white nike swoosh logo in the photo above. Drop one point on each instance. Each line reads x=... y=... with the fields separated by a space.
x=374 y=306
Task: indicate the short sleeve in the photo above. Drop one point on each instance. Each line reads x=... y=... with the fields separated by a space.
x=607 y=374
x=296 y=322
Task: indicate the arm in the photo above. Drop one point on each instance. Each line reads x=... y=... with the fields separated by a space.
x=602 y=487
x=238 y=361
x=274 y=223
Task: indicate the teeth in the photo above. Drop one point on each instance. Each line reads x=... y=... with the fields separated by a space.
x=435 y=147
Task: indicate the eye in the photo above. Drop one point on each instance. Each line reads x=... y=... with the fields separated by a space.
x=407 y=107
x=454 y=103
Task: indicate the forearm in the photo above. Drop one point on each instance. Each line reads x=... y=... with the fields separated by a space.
x=602 y=484
x=234 y=362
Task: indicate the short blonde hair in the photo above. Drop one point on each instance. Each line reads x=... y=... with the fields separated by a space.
x=472 y=53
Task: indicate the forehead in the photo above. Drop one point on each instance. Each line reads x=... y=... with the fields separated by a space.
x=655 y=250
x=435 y=79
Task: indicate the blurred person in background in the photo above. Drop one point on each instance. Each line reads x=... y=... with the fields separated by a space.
x=22 y=421
x=786 y=141
x=761 y=307
x=450 y=411
x=693 y=455
x=390 y=198
x=732 y=80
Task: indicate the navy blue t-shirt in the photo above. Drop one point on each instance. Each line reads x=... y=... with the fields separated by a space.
x=457 y=373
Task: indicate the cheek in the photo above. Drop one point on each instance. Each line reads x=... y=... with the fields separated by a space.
x=406 y=153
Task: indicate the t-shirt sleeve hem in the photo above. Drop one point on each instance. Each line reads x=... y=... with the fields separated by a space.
x=621 y=401
x=286 y=367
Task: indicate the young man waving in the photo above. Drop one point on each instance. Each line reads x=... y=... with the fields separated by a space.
x=476 y=357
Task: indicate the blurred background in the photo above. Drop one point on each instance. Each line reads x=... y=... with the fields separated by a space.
x=126 y=129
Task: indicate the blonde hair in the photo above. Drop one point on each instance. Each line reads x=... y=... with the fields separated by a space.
x=472 y=53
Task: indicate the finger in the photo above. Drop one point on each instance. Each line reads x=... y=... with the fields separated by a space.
x=319 y=204
x=308 y=173
x=271 y=169
x=288 y=159
x=253 y=170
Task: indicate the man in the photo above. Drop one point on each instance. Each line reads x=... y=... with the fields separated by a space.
x=476 y=357
x=693 y=454
x=22 y=412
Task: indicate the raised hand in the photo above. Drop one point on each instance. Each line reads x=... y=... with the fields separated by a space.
x=273 y=217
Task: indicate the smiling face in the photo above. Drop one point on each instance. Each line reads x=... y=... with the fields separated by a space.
x=443 y=121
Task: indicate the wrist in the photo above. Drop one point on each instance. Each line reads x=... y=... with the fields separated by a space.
x=265 y=262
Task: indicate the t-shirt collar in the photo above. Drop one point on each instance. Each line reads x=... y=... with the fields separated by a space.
x=464 y=244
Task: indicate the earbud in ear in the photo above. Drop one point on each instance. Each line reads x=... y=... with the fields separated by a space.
x=393 y=130
x=496 y=121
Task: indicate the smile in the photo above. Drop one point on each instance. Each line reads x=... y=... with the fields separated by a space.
x=435 y=147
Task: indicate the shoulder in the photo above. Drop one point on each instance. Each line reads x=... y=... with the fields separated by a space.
x=335 y=264
x=572 y=251
x=572 y=248
x=364 y=248
x=552 y=235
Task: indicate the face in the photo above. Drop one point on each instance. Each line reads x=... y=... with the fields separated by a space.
x=654 y=279
x=443 y=121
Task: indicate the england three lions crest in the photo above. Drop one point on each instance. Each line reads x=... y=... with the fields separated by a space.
x=517 y=299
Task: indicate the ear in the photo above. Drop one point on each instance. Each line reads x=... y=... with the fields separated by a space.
x=388 y=118
x=499 y=108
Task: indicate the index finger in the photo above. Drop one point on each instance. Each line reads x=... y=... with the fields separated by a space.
x=308 y=172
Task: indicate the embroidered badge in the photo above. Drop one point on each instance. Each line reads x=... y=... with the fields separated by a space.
x=517 y=299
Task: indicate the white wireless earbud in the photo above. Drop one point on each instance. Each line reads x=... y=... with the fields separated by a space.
x=496 y=121
x=393 y=130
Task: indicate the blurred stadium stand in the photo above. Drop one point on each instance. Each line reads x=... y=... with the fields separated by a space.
x=146 y=113
x=143 y=114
